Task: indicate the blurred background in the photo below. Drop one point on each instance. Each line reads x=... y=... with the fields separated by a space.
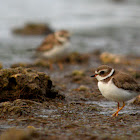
x=109 y=25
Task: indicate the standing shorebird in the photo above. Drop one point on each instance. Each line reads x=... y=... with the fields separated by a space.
x=116 y=85
x=54 y=45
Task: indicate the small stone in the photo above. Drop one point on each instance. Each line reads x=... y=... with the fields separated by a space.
x=31 y=127
x=83 y=88
x=78 y=73
x=137 y=100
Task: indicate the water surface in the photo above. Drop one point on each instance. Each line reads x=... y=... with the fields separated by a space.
x=103 y=24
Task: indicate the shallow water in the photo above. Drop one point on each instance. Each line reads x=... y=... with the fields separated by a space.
x=110 y=108
x=106 y=108
x=103 y=24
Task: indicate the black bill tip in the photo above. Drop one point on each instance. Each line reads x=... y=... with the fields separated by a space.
x=93 y=75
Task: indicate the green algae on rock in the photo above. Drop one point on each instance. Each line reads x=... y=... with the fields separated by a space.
x=25 y=83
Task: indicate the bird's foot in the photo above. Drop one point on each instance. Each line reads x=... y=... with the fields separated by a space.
x=115 y=114
x=61 y=67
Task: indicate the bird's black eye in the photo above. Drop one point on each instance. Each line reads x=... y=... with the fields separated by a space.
x=102 y=72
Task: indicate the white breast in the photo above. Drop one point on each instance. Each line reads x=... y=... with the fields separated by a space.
x=56 y=51
x=111 y=92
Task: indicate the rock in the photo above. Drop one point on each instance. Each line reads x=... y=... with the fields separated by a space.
x=78 y=73
x=25 y=83
x=97 y=52
x=119 y=59
x=42 y=63
x=75 y=58
x=23 y=65
x=1 y=65
x=134 y=72
x=37 y=63
x=31 y=127
x=111 y=58
x=72 y=58
x=33 y=29
x=8 y=108
x=83 y=88
x=19 y=107
x=137 y=100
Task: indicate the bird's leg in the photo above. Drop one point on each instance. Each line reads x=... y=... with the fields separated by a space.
x=116 y=113
x=60 y=66
x=51 y=65
x=118 y=109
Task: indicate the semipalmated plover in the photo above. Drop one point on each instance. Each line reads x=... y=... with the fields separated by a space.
x=54 y=44
x=54 y=47
x=116 y=85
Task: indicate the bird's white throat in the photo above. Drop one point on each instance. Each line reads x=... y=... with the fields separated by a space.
x=99 y=78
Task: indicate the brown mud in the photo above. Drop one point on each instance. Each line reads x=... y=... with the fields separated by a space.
x=83 y=114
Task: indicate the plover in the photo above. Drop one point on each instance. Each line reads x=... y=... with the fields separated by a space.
x=54 y=47
x=54 y=44
x=116 y=85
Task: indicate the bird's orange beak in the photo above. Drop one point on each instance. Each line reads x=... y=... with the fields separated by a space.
x=94 y=75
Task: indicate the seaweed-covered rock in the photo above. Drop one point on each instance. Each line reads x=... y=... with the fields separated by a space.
x=119 y=59
x=71 y=58
x=33 y=29
x=23 y=65
x=25 y=83
x=137 y=100
x=19 y=107
x=111 y=58
x=75 y=58
x=0 y=65
x=77 y=75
